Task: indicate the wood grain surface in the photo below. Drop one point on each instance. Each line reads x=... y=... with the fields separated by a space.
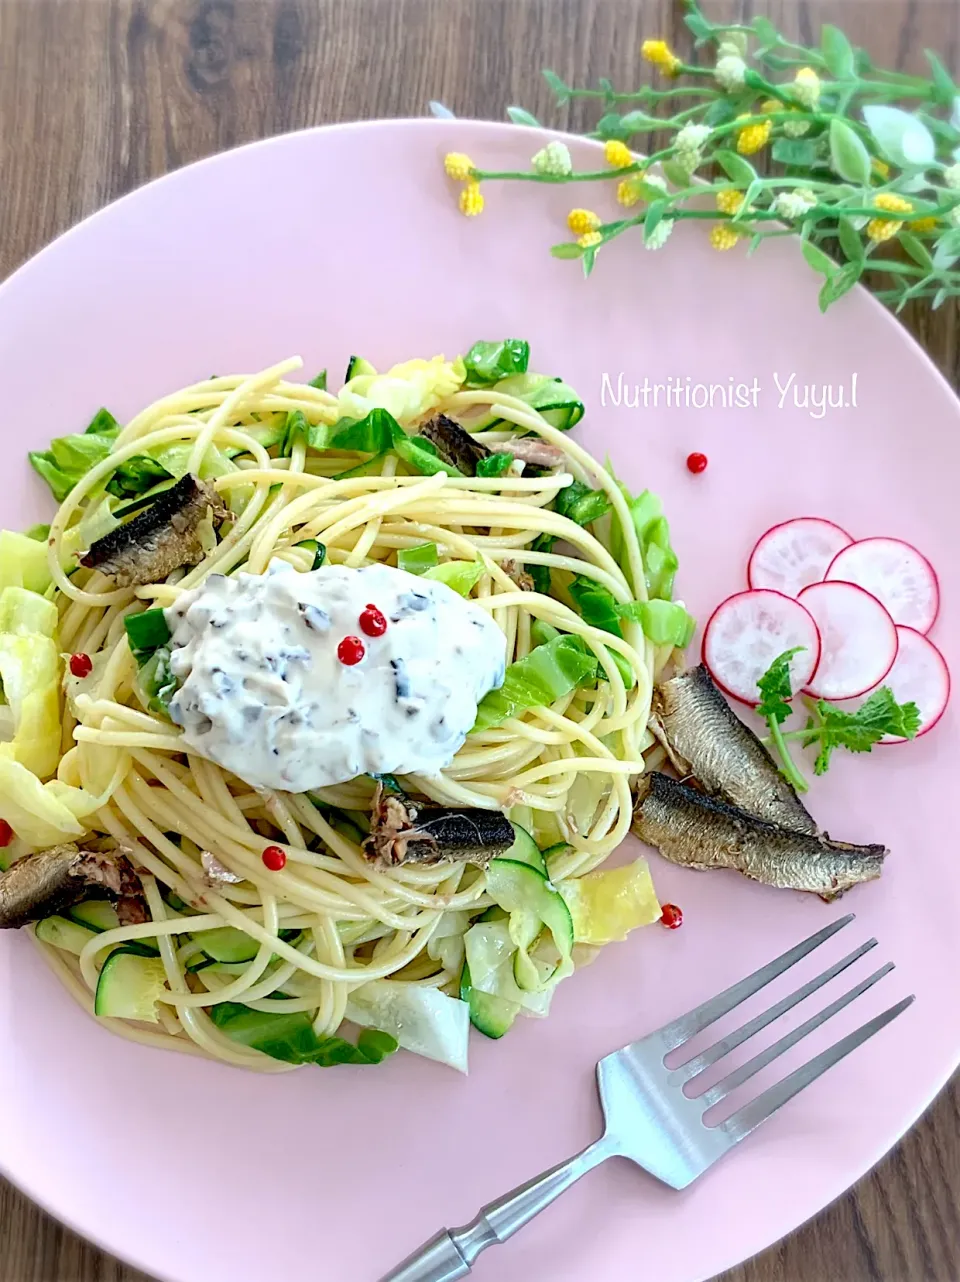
x=98 y=96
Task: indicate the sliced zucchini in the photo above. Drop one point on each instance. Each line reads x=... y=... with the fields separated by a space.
x=64 y=934
x=356 y=366
x=318 y=550
x=493 y=913
x=130 y=987
x=227 y=944
x=525 y=850
x=554 y=852
x=552 y=397
x=490 y=1014
x=531 y=899
x=96 y=914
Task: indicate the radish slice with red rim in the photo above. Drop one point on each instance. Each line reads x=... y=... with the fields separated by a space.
x=748 y=631
x=900 y=577
x=919 y=675
x=791 y=556
x=858 y=639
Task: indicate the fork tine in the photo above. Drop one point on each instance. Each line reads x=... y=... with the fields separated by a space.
x=743 y=1074
x=748 y=1118
x=681 y=1030
x=726 y=1044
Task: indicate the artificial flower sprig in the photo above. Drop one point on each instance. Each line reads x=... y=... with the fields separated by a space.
x=872 y=187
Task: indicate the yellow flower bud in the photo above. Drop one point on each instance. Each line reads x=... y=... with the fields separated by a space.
x=617 y=154
x=582 y=221
x=458 y=166
x=723 y=237
x=471 y=200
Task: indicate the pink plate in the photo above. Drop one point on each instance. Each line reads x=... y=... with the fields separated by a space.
x=348 y=239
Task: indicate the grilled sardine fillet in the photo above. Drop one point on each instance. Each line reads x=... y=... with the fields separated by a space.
x=704 y=738
x=697 y=831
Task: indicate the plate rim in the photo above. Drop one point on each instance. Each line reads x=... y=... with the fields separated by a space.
x=470 y=125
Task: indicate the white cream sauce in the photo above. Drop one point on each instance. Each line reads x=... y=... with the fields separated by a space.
x=264 y=694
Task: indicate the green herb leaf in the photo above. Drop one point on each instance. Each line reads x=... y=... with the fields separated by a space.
x=581 y=504
x=38 y=532
x=848 y=156
x=837 y=52
x=858 y=731
x=103 y=424
x=775 y=688
x=319 y=381
x=540 y=678
x=423 y=556
x=487 y=362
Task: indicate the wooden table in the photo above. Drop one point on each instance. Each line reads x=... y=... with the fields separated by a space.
x=98 y=96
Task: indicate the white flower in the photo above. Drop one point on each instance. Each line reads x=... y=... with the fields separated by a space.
x=689 y=145
x=692 y=137
x=806 y=88
x=554 y=159
x=794 y=204
x=795 y=128
x=660 y=234
x=951 y=177
x=730 y=71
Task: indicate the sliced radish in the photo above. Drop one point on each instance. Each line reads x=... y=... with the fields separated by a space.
x=858 y=639
x=919 y=675
x=900 y=577
x=795 y=554
x=748 y=631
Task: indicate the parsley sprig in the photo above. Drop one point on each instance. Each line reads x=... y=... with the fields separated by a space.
x=827 y=727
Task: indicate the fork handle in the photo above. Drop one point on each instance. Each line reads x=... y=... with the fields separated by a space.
x=451 y=1253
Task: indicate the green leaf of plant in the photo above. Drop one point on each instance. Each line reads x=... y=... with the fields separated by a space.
x=558 y=86
x=765 y=31
x=944 y=90
x=634 y=121
x=917 y=250
x=610 y=127
x=702 y=29
x=837 y=52
x=818 y=260
x=839 y=283
x=947 y=250
x=737 y=169
x=589 y=260
x=800 y=152
x=654 y=215
x=720 y=112
x=850 y=241
x=567 y=249
x=901 y=137
x=520 y=116
x=848 y=156
x=675 y=173
x=939 y=298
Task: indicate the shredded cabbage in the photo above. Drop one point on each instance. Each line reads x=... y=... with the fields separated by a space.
x=23 y=612
x=407 y=390
x=23 y=562
x=29 y=670
x=423 y=1020
x=607 y=904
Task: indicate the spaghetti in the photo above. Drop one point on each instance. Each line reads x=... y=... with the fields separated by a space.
x=331 y=920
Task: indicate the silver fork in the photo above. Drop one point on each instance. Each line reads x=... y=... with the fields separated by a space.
x=650 y=1120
